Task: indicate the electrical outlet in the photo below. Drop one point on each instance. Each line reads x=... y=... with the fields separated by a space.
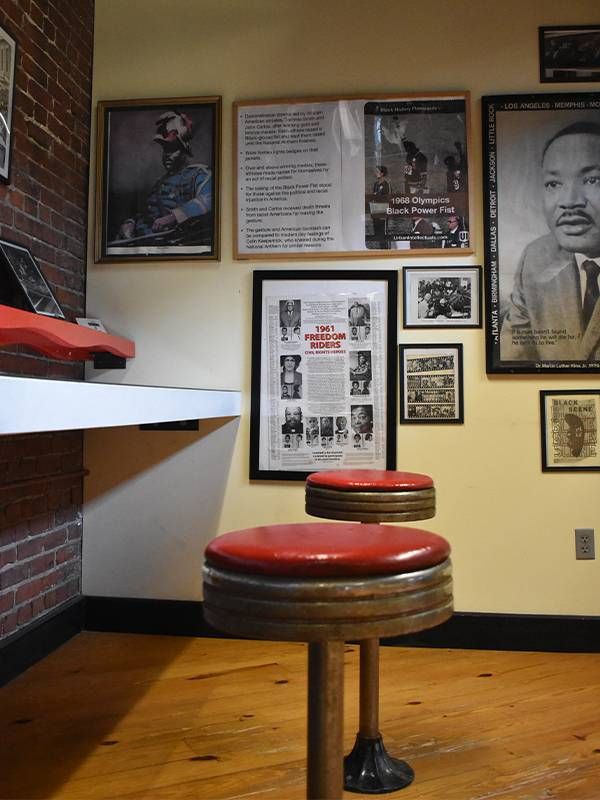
x=584 y=543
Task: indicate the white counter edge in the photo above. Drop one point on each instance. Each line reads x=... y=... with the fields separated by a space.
x=33 y=405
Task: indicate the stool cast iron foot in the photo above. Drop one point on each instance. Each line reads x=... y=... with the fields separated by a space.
x=369 y=769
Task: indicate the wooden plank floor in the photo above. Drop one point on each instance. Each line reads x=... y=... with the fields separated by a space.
x=169 y=718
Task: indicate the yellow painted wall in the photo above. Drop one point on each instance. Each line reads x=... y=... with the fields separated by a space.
x=510 y=525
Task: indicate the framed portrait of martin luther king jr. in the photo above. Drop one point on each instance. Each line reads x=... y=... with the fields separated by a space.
x=542 y=232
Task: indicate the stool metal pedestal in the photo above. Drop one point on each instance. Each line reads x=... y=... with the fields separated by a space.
x=371 y=496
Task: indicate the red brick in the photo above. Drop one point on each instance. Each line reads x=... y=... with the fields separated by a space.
x=27 y=591
x=8 y=556
x=13 y=534
x=24 y=614
x=41 y=564
x=37 y=606
x=40 y=114
x=6 y=215
x=67 y=553
x=8 y=624
x=30 y=548
x=33 y=70
x=68 y=589
x=13 y=575
x=40 y=523
x=75 y=531
x=16 y=198
x=39 y=136
x=36 y=15
x=7 y=601
x=48 y=464
x=54 y=539
x=49 y=30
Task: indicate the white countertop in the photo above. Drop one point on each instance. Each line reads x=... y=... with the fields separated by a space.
x=32 y=405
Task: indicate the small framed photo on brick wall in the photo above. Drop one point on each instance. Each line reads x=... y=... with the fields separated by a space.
x=8 y=49
x=22 y=284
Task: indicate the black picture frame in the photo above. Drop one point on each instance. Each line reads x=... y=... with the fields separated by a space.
x=534 y=319
x=8 y=57
x=133 y=136
x=569 y=427
x=431 y=384
x=442 y=297
x=569 y=53
x=336 y=319
x=22 y=284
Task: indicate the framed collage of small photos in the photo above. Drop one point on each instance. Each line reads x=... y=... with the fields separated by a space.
x=431 y=383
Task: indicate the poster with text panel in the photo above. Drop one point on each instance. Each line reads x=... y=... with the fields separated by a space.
x=360 y=176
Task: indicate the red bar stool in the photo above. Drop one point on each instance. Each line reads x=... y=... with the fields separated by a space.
x=325 y=583
x=371 y=495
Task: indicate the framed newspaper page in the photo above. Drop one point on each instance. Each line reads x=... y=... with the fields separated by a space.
x=542 y=232
x=352 y=176
x=569 y=427
x=323 y=372
x=431 y=383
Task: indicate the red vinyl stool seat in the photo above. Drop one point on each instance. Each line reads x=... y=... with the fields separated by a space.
x=370 y=495
x=325 y=583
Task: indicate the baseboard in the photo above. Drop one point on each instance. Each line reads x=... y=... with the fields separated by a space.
x=471 y=631
x=134 y=615
x=22 y=649
x=525 y=632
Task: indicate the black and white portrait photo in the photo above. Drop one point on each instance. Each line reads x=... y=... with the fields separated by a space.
x=543 y=232
x=289 y=314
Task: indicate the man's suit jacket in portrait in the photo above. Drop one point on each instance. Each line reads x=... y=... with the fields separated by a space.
x=543 y=320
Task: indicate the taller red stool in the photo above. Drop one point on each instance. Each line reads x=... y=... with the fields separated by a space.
x=370 y=495
x=325 y=583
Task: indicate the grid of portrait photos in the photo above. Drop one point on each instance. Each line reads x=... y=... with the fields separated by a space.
x=431 y=383
x=353 y=429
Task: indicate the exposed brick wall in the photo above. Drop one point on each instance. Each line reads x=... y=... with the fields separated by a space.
x=44 y=207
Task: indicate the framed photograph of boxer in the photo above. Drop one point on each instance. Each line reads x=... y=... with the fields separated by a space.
x=8 y=51
x=542 y=232
x=569 y=427
x=323 y=393
x=157 y=179
x=441 y=297
x=569 y=53
x=431 y=383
